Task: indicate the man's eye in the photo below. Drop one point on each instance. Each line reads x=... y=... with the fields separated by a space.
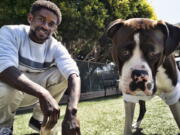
x=40 y=19
x=52 y=24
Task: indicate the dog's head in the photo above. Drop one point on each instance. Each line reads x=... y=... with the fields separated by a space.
x=139 y=47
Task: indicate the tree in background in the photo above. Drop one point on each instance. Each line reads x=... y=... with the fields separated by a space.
x=14 y=11
x=84 y=22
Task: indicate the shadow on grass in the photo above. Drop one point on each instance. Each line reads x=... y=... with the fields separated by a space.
x=139 y=132
x=32 y=134
x=102 y=98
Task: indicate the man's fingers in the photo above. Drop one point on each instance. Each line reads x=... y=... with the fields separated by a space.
x=51 y=123
x=52 y=120
x=66 y=130
x=44 y=120
x=71 y=132
x=78 y=131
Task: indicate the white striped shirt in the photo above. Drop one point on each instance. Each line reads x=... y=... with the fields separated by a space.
x=17 y=49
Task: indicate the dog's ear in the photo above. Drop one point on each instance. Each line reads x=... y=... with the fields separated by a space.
x=172 y=36
x=105 y=39
x=173 y=39
x=113 y=27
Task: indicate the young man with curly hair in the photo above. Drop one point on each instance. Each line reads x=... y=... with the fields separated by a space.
x=35 y=68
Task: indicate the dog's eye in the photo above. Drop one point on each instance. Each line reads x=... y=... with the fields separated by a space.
x=125 y=52
x=151 y=54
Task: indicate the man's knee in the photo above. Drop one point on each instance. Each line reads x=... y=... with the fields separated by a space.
x=6 y=93
x=55 y=78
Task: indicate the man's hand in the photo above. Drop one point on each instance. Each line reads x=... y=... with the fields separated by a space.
x=50 y=109
x=70 y=124
x=49 y=106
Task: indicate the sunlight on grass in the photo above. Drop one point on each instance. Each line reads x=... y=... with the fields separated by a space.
x=105 y=116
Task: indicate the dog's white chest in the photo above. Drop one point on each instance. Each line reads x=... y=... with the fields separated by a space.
x=164 y=84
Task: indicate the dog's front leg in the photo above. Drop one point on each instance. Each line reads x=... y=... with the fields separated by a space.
x=175 y=109
x=129 y=114
x=142 y=111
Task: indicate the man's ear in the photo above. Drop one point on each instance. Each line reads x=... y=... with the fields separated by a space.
x=29 y=18
x=173 y=39
x=113 y=27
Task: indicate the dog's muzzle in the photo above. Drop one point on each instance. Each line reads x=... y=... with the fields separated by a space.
x=140 y=84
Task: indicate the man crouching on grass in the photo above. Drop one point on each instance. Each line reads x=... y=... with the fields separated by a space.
x=36 y=68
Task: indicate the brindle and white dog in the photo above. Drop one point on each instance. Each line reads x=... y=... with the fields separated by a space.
x=142 y=51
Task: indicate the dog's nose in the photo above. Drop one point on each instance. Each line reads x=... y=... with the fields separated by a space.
x=139 y=75
x=139 y=79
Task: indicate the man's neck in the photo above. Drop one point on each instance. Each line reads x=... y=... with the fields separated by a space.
x=34 y=39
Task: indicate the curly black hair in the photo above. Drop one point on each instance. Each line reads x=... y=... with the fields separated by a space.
x=39 y=4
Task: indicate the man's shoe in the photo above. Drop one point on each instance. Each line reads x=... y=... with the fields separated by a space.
x=35 y=124
x=6 y=131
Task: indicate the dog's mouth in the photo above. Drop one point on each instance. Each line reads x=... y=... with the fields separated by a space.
x=139 y=92
x=138 y=89
x=138 y=82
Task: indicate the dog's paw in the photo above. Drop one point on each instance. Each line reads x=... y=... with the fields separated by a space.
x=136 y=125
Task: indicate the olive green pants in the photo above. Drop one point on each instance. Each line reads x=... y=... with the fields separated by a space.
x=11 y=99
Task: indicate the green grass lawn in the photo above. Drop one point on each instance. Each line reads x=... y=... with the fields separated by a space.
x=105 y=116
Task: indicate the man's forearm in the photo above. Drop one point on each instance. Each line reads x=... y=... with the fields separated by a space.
x=48 y=104
x=74 y=84
x=13 y=77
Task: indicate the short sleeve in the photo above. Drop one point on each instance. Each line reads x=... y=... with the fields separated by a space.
x=64 y=61
x=8 y=48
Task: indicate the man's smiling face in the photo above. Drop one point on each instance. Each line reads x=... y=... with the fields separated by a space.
x=42 y=24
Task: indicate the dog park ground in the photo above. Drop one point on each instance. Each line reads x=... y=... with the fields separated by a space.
x=105 y=116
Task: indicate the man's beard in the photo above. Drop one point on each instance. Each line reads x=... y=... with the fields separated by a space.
x=37 y=37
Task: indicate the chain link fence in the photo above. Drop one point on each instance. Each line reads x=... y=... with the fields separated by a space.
x=97 y=76
x=97 y=80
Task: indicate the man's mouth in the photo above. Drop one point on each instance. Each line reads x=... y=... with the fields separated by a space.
x=42 y=31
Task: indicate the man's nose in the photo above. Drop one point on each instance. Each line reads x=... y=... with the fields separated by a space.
x=45 y=25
